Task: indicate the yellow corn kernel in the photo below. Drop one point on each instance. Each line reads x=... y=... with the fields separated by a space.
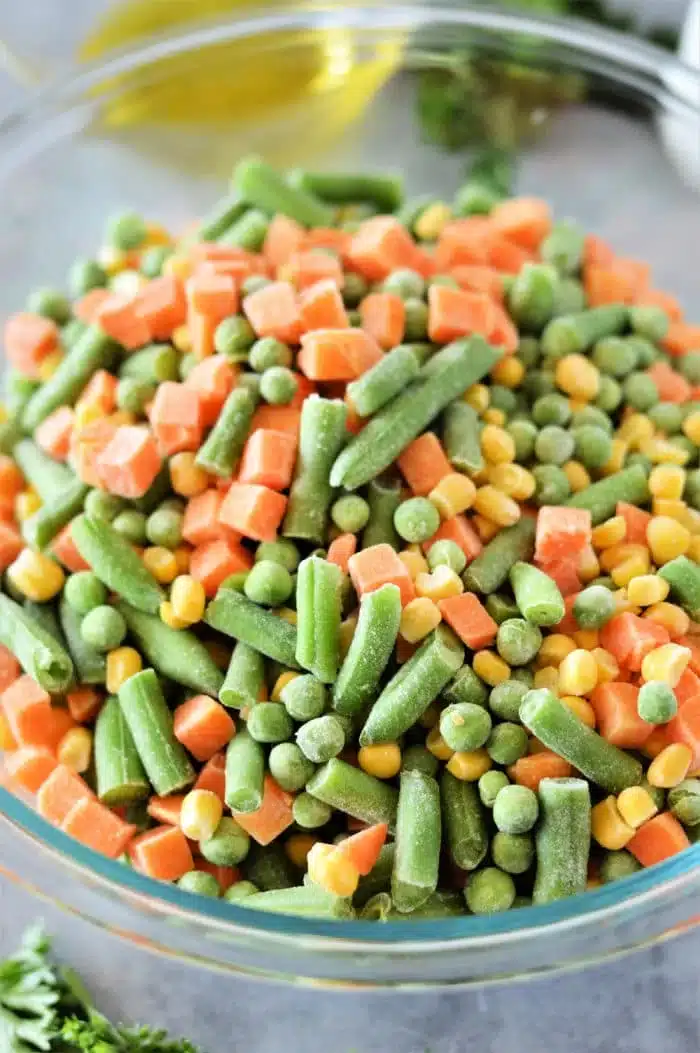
x=178 y=266
x=509 y=372
x=280 y=683
x=578 y=673
x=667 y=481
x=7 y=739
x=414 y=561
x=26 y=504
x=490 y=667
x=616 y=460
x=332 y=870
x=636 y=806
x=580 y=708
x=161 y=563
x=127 y=283
x=297 y=848
x=576 y=405
x=661 y=451
x=497 y=445
x=418 y=618
x=442 y=583
x=436 y=745
x=691 y=427
x=75 y=749
x=673 y=618
x=636 y=428
x=608 y=827
x=186 y=477
x=86 y=413
x=183 y=554
x=588 y=566
x=36 y=576
x=168 y=616
x=485 y=528
x=622 y=603
x=555 y=648
x=347 y=631
x=382 y=760
x=286 y=614
x=480 y=476
x=122 y=418
x=576 y=375
x=156 y=234
x=454 y=493
x=430 y=717
x=188 y=599
x=429 y=225
x=670 y=766
x=494 y=416
x=608 y=669
x=667 y=539
x=647 y=589
x=470 y=766
x=200 y=814
x=513 y=480
x=611 y=532
x=634 y=567
x=666 y=663
x=49 y=365
x=112 y=260
x=694 y=549
x=478 y=397
x=547 y=677
x=587 y=639
x=578 y=476
x=496 y=506
x=616 y=554
x=122 y=663
x=182 y=339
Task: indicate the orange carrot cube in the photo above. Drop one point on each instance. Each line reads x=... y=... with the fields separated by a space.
x=379 y=565
x=254 y=511
x=203 y=726
x=469 y=619
x=268 y=459
x=130 y=462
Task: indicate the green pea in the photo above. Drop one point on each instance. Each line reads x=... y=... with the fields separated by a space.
x=638 y=458
x=416 y=520
x=505 y=699
x=267 y=353
x=552 y=486
x=321 y=739
x=592 y=445
x=350 y=513
x=489 y=891
x=126 y=231
x=529 y=351
x=133 y=395
x=131 y=525
x=507 y=743
x=289 y=767
x=84 y=591
x=239 y=891
x=164 y=528
x=594 y=416
x=539 y=382
x=523 y=676
x=524 y=435
x=515 y=810
x=684 y=801
x=689 y=367
x=551 y=409
x=236 y=581
x=268 y=583
x=570 y=297
x=513 y=853
x=310 y=813
x=691 y=492
x=416 y=320
x=688 y=446
x=503 y=399
x=490 y=785
x=405 y=283
x=418 y=758
x=640 y=391
x=553 y=445
x=465 y=726
x=594 y=607
x=354 y=289
x=475 y=198
x=103 y=628
x=101 y=505
x=269 y=722
x=304 y=697
x=609 y=395
x=228 y=846
x=50 y=303
x=200 y=883
x=666 y=417
x=86 y=275
x=281 y=551
x=153 y=259
x=517 y=641
x=615 y=356
x=650 y=322
x=446 y=553
x=617 y=865
x=656 y=702
x=278 y=385
x=233 y=337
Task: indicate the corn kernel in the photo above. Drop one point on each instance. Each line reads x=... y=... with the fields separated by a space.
x=691 y=427
x=470 y=766
x=577 y=376
x=509 y=372
x=497 y=445
x=442 y=583
x=667 y=539
x=666 y=663
x=187 y=478
x=112 y=260
x=588 y=566
x=430 y=223
x=616 y=554
x=382 y=760
x=287 y=615
x=177 y=266
x=436 y=745
x=547 y=677
x=647 y=589
x=485 y=528
x=280 y=683
x=490 y=667
x=670 y=766
x=418 y=618
x=168 y=616
x=555 y=648
x=494 y=416
x=608 y=827
x=36 y=576
x=496 y=506
x=616 y=460
x=7 y=739
x=634 y=567
x=673 y=618
x=667 y=481
x=587 y=639
x=454 y=493
x=200 y=814
x=297 y=848
x=580 y=708
x=332 y=870
x=578 y=673
x=661 y=451
x=414 y=561
x=478 y=397
x=694 y=549
x=636 y=428
x=513 y=480
x=608 y=669
x=622 y=603
x=86 y=413
x=577 y=475
x=576 y=405
x=26 y=504
x=183 y=555
x=636 y=806
x=122 y=663
x=127 y=283
x=188 y=599
x=156 y=234
x=75 y=749
x=161 y=563
x=49 y=365
x=609 y=533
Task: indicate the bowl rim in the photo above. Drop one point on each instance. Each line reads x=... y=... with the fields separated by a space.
x=639 y=64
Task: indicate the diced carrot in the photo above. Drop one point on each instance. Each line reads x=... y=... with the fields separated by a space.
x=201 y=521
x=10 y=668
x=464 y=241
x=629 y=638
x=237 y=269
x=341 y=549
x=214 y=295
x=637 y=272
x=59 y=792
x=254 y=511
x=321 y=307
x=86 y=308
x=615 y=707
x=30 y=766
x=332 y=238
x=65 y=551
x=163 y=853
x=11 y=478
x=118 y=318
x=561 y=532
x=273 y=816
x=129 y=463
x=693 y=645
x=597 y=252
x=166 y=809
x=224 y=876
x=404 y=650
x=687 y=687
x=380 y=565
x=303 y=269
x=453 y=313
x=213 y=776
x=362 y=849
x=672 y=386
x=212 y=562
x=337 y=354
x=100 y=391
x=525 y=220
x=459 y=530
x=203 y=726
x=277 y=418
x=424 y=463
x=28 y=339
x=636 y=521
x=97 y=827
x=283 y=238
x=606 y=285
x=53 y=435
x=380 y=246
x=274 y=311
x=383 y=316
x=268 y=459
x=505 y=332
x=305 y=387
x=11 y=545
x=84 y=703
x=86 y=445
x=27 y=709
x=658 y=839
x=534 y=767
x=506 y=256
x=568 y=624
x=470 y=620
x=202 y=328
x=681 y=338
x=479 y=278
x=564 y=574
x=685 y=728
x=176 y=418
x=667 y=303
x=213 y=380
x=354 y=422
x=162 y=305
x=215 y=252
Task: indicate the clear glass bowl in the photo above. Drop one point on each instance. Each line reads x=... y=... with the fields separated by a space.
x=78 y=152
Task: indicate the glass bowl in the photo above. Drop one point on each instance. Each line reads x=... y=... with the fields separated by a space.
x=621 y=158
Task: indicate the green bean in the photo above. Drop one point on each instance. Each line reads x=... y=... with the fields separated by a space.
x=601 y=498
x=561 y=731
x=49 y=478
x=370 y=650
x=537 y=595
x=563 y=839
x=233 y=614
x=464 y=820
x=384 y=380
x=245 y=773
x=10 y=435
x=18 y=390
x=466 y=687
x=225 y=212
x=320 y=739
x=350 y=790
x=418 y=837
x=321 y=436
x=174 y=653
x=228 y=845
x=262 y=187
x=90 y=665
x=438 y=905
x=318 y=618
x=119 y=772
x=563 y=247
x=383 y=497
x=152 y=365
x=41 y=528
x=269 y=722
x=443 y=378
x=222 y=449
x=115 y=563
x=572 y=333
x=45 y=615
x=409 y=693
x=244 y=678
x=247 y=232
x=36 y=650
x=94 y=350
x=461 y=436
x=347 y=188
x=684 y=802
x=491 y=568
x=684 y=578
x=304 y=901
x=151 y=725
